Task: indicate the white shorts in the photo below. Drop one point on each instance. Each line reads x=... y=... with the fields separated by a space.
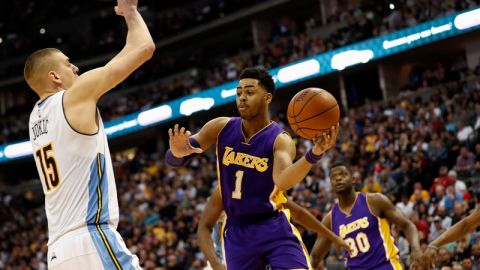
x=99 y=247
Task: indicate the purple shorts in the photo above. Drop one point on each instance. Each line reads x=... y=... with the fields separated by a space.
x=270 y=244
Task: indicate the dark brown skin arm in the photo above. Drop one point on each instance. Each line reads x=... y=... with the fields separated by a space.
x=459 y=230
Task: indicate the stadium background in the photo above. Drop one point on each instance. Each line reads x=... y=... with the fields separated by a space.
x=409 y=121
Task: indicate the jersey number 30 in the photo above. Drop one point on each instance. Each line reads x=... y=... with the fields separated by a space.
x=360 y=243
x=48 y=165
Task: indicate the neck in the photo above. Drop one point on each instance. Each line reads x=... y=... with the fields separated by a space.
x=48 y=93
x=252 y=126
x=347 y=198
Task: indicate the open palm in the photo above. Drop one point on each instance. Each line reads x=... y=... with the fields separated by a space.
x=180 y=142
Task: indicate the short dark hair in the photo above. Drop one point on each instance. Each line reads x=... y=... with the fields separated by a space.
x=340 y=163
x=260 y=74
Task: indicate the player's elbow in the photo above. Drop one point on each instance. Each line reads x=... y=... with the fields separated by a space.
x=147 y=50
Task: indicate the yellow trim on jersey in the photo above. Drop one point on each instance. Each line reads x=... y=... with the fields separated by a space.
x=277 y=198
x=109 y=248
x=99 y=210
x=391 y=251
x=299 y=238
x=99 y=192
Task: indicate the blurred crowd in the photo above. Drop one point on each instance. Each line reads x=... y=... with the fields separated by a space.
x=422 y=150
x=21 y=22
x=290 y=41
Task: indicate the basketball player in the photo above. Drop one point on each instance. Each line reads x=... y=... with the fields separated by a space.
x=213 y=212
x=71 y=151
x=456 y=232
x=255 y=165
x=363 y=221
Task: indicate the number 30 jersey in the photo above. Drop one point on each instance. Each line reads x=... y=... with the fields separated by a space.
x=245 y=172
x=367 y=235
x=75 y=170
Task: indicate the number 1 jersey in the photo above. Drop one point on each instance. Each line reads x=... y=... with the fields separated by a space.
x=245 y=172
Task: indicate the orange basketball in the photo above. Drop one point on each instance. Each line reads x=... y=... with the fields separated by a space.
x=312 y=111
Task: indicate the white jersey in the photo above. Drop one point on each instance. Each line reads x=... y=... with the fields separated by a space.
x=75 y=170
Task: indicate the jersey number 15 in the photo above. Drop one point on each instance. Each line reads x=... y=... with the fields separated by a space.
x=48 y=165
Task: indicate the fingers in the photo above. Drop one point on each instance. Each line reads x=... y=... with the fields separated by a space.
x=170 y=134
x=175 y=130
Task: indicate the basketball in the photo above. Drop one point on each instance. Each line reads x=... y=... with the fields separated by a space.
x=312 y=111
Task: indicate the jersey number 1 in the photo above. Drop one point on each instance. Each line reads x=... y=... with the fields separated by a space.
x=48 y=164
x=237 y=193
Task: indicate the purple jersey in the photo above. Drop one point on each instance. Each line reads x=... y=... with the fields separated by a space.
x=368 y=236
x=245 y=172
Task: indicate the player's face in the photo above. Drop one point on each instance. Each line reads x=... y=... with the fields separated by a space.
x=341 y=179
x=252 y=99
x=64 y=72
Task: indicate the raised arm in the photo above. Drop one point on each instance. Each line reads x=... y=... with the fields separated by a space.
x=209 y=218
x=286 y=174
x=80 y=100
x=382 y=207
x=322 y=244
x=456 y=232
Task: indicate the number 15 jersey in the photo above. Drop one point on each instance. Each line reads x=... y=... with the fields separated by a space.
x=75 y=170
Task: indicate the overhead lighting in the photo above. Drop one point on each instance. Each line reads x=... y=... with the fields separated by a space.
x=192 y=105
x=298 y=71
x=228 y=93
x=468 y=19
x=18 y=149
x=351 y=57
x=154 y=115
x=120 y=127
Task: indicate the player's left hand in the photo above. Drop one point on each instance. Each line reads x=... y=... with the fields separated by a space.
x=326 y=140
x=416 y=260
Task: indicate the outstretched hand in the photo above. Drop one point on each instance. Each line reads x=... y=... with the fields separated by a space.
x=124 y=5
x=326 y=140
x=180 y=142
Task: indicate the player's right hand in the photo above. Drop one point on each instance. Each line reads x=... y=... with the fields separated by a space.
x=326 y=140
x=429 y=259
x=124 y=6
x=180 y=142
